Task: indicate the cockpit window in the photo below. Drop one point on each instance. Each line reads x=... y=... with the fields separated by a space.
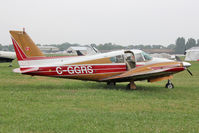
x=146 y=56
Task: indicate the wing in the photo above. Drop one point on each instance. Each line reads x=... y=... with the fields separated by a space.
x=148 y=72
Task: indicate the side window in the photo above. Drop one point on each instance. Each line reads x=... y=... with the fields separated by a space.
x=117 y=59
x=139 y=57
x=113 y=59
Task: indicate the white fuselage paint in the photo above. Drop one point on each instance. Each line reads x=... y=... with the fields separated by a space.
x=61 y=61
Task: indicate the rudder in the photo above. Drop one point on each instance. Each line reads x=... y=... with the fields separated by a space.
x=24 y=46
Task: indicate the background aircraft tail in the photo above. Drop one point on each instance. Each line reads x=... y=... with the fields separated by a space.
x=24 y=46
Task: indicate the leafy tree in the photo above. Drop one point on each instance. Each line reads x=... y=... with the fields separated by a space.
x=190 y=43
x=1 y=47
x=148 y=47
x=10 y=48
x=65 y=46
x=197 y=42
x=157 y=46
x=109 y=46
x=180 y=45
x=171 y=46
x=93 y=45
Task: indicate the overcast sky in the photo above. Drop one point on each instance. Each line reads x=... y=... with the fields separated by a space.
x=124 y=22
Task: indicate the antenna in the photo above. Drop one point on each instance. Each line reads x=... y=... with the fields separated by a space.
x=23 y=30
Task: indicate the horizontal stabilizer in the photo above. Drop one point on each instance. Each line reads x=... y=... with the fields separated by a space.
x=17 y=70
x=26 y=70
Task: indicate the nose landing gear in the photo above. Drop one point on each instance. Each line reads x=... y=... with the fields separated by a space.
x=169 y=85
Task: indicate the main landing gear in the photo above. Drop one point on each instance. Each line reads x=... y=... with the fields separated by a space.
x=131 y=86
x=111 y=83
x=169 y=85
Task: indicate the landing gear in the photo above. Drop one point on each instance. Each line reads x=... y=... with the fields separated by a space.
x=10 y=65
x=169 y=85
x=111 y=83
x=131 y=86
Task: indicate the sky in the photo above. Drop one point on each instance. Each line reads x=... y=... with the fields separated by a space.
x=124 y=22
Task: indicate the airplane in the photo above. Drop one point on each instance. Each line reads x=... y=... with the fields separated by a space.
x=7 y=56
x=112 y=67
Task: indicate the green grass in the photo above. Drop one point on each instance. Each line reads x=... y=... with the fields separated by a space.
x=52 y=105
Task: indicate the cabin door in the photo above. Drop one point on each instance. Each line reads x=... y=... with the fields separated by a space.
x=129 y=58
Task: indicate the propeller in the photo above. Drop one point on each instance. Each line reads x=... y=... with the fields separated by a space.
x=178 y=59
x=189 y=72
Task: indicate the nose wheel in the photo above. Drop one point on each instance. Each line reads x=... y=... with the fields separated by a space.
x=169 y=85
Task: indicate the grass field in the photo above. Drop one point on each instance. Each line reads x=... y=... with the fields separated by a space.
x=50 y=105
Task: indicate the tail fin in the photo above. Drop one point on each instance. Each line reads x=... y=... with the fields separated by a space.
x=24 y=46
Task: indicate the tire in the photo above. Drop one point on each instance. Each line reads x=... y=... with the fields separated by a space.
x=111 y=83
x=128 y=87
x=169 y=86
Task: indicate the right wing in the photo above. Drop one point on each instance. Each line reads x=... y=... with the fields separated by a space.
x=148 y=72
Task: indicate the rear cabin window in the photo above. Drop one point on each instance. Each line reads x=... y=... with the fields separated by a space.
x=117 y=59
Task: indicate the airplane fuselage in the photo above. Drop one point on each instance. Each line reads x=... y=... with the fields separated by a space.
x=111 y=67
x=94 y=67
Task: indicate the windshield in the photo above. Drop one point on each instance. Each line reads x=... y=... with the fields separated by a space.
x=146 y=56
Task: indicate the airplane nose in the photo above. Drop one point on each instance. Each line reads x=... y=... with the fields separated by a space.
x=186 y=64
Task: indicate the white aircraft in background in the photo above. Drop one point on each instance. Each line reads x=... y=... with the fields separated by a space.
x=7 y=56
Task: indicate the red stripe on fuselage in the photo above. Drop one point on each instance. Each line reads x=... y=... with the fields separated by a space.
x=79 y=70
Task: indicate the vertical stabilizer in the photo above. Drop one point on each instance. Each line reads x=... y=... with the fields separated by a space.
x=24 y=46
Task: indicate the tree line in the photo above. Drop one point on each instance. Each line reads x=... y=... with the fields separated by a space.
x=182 y=45
x=179 y=47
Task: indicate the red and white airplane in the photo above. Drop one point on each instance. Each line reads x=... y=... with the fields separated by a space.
x=111 y=67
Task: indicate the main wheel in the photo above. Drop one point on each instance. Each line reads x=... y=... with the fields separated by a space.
x=128 y=87
x=169 y=86
x=111 y=83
